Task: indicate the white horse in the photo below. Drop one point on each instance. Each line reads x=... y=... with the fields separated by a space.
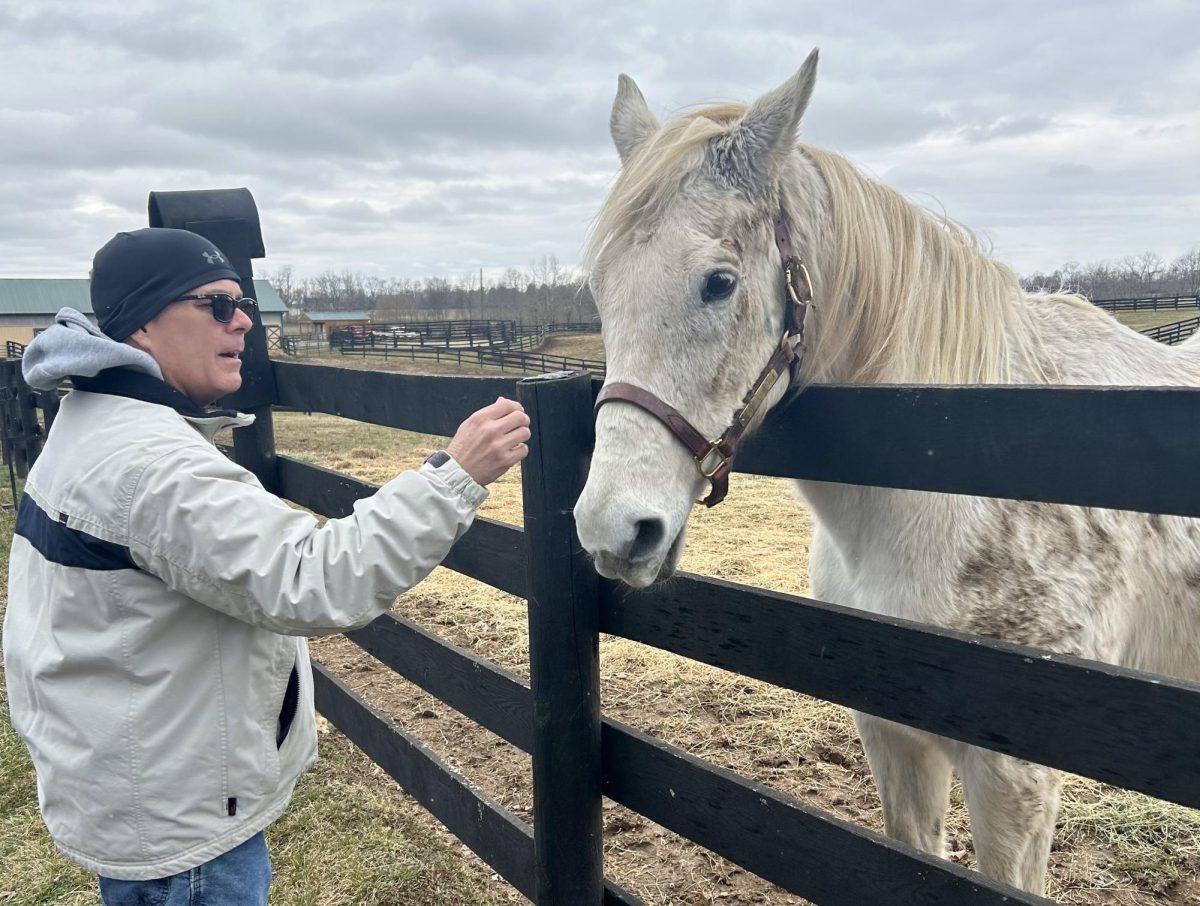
x=686 y=274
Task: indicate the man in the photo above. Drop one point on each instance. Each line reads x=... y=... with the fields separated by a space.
x=158 y=595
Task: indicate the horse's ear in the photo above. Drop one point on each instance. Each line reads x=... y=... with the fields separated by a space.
x=747 y=157
x=631 y=122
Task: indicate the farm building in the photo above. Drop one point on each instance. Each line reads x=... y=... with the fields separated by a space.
x=326 y=321
x=28 y=305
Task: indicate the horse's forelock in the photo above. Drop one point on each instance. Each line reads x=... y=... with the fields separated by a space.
x=656 y=172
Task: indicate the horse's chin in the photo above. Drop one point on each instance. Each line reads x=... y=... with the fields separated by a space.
x=641 y=573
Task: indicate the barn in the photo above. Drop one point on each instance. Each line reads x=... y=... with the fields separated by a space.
x=28 y=305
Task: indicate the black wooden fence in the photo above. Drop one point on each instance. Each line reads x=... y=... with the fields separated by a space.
x=503 y=359
x=1121 y=448
x=452 y=334
x=1148 y=303
x=502 y=334
x=1174 y=333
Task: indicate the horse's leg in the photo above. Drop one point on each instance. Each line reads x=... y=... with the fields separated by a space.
x=1013 y=806
x=912 y=773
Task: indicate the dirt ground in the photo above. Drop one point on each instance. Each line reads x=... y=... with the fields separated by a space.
x=1111 y=847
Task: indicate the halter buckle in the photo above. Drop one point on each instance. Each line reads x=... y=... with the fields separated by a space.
x=714 y=450
x=791 y=269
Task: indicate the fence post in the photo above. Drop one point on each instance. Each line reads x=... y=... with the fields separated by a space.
x=564 y=643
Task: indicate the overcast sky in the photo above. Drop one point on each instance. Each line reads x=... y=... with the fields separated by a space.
x=434 y=138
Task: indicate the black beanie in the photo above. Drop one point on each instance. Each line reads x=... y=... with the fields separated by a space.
x=136 y=275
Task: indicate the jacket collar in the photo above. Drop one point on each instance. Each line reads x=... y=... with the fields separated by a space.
x=138 y=385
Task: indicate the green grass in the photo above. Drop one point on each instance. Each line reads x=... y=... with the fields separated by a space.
x=350 y=835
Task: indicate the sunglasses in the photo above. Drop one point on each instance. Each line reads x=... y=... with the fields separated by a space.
x=223 y=305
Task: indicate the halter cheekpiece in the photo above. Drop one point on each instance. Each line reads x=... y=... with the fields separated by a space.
x=714 y=458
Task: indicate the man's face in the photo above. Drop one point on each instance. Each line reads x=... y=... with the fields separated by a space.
x=198 y=355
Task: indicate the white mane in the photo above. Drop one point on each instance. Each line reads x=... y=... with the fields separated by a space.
x=912 y=297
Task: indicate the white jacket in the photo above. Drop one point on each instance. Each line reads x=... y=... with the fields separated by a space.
x=155 y=592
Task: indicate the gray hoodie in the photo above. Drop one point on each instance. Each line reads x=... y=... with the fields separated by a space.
x=75 y=346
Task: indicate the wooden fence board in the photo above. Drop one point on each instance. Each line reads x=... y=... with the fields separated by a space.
x=802 y=849
x=490 y=551
x=773 y=835
x=493 y=698
x=1120 y=726
x=907 y=672
x=430 y=404
x=1102 y=447
x=490 y=830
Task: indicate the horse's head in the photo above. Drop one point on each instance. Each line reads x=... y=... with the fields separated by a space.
x=686 y=272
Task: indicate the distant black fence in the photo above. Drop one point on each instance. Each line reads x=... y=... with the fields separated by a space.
x=1113 y=724
x=448 y=334
x=469 y=333
x=529 y=362
x=1174 y=333
x=498 y=344
x=1148 y=303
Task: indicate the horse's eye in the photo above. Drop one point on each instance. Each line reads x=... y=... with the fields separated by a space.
x=719 y=285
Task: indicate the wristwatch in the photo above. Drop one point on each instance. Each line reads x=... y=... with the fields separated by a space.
x=438 y=458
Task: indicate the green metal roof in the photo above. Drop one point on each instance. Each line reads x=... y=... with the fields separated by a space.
x=337 y=315
x=37 y=296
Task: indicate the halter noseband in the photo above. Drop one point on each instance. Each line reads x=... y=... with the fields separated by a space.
x=714 y=458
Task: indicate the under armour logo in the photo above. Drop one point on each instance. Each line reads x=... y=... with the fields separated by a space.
x=213 y=257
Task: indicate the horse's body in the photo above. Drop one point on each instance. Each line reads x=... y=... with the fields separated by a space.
x=900 y=298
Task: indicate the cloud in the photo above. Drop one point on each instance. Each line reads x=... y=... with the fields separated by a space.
x=396 y=138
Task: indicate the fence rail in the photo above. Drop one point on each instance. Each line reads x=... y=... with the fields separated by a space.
x=447 y=334
x=529 y=362
x=1148 y=303
x=1174 y=333
x=1106 y=722
x=504 y=344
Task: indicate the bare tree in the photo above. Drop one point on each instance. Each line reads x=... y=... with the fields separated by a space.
x=1133 y=275
x=549 y=277
x=284 y=282
x=1185 y=270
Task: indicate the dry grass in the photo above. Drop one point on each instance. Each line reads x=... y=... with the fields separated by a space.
x=575 y=346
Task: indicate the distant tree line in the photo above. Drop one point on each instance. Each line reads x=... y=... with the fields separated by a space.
x=1134 y=275
x=546 y=292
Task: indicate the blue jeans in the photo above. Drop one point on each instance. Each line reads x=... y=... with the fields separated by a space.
x=240 y=877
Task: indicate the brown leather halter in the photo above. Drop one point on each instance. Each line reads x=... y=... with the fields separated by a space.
x=714 y=458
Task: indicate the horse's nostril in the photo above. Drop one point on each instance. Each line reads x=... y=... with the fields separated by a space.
x=648 y=535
